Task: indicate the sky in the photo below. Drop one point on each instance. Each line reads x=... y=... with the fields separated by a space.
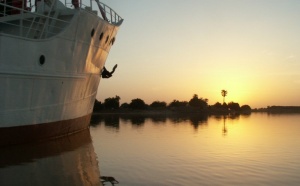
x=172 y=49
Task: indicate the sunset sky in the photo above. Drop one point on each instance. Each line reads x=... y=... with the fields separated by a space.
x=173 y=49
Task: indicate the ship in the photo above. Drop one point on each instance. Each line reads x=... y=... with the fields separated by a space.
x=52 y=54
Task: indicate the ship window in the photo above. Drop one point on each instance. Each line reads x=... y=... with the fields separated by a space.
x=112 y=41
x=106 y=39
x=101 y=36
x=93 y=32
x=42 y=60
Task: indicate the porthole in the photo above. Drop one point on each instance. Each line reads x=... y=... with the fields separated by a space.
x=42 y=60
x=106 y=39
x=92 y=32
x=101 y=36
x=112 y=41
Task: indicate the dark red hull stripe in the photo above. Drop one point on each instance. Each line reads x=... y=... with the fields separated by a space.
x=38 y=132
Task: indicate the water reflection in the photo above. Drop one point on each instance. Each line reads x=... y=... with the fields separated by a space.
x=69 y=160
x=138 y=120
x=167 y=150
x=112 y=121
x=135 y=120
x=225 y=118
x=224 y=126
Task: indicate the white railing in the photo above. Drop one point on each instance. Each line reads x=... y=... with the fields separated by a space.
x=41 y=19
x=106 y=12
x=17 y=18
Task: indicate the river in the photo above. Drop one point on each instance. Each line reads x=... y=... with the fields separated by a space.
x=256 y=149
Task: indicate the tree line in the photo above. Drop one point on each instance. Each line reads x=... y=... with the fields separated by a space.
x=194 y=104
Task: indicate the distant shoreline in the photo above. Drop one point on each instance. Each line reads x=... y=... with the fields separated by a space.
x=279 y=109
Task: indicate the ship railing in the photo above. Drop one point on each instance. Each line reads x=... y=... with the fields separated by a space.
x=23 y=19
x=40 y=19
x=10 y=7
x=96 y=7
x=111 y=15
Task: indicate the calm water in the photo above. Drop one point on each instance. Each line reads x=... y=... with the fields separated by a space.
x=258 y=149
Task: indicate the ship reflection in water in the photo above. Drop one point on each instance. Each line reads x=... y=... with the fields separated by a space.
x=69 y=160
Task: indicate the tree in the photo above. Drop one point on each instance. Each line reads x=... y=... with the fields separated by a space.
x=218 y=105
x=97 y=105
x=198 y=102
x=112 y=103
x=137 y=104
x=225 y=106
x=158 y=104
x=125 y=106
x=234 y=106
x=245 y=108
x=224 y=94
x=176 y=103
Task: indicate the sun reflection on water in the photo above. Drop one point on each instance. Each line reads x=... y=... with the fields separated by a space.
x=257 y=149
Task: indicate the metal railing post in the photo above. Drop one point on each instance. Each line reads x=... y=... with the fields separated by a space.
x=22 y=18
x=111 y=18
x=4 y=11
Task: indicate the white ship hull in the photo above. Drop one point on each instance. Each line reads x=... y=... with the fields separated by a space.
x=49 y=74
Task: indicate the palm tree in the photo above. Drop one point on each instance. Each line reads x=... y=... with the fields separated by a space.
x=224 y=94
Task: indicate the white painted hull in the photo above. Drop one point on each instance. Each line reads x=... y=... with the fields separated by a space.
x=53 y=79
